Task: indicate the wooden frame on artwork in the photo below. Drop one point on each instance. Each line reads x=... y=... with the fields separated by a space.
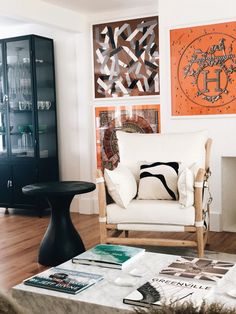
x=126 y=58
x=132 y=118
x=203 y=69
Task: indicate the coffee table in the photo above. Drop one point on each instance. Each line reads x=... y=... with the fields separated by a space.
x=106 y=297
x=61 y=240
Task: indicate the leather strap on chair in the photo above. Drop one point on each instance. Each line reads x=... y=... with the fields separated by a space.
x=206 y=184
x=100 y=180
x=198 y=184
x=199 y=223
x=102 y=219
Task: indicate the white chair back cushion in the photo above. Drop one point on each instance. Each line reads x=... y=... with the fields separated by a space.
x=187 y=148
x=121 y=185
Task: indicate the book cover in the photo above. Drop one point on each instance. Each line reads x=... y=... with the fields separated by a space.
x=198 y=268
x=63 y=280
x=160 y=290
x=108 y=255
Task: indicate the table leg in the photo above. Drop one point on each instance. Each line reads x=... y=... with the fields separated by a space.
x=61 y=241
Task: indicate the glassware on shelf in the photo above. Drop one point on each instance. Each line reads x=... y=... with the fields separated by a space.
x=19 y=81
x=25 y=105
x=26 y=140
x=44 y=105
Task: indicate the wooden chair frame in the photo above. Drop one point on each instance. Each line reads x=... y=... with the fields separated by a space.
x=201 y=182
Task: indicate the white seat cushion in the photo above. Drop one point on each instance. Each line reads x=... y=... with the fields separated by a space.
x=151 y=211
x=187 y=148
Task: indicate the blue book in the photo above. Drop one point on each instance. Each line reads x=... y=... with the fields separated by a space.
x=108 y=255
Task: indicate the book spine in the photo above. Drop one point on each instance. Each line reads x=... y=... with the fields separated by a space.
x=94 y=263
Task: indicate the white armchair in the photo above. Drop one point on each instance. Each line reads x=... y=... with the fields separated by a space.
x=172 y=203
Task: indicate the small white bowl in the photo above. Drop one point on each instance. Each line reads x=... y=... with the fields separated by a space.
x=232 y=293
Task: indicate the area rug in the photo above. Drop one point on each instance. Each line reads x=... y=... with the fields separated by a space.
x=184 y=251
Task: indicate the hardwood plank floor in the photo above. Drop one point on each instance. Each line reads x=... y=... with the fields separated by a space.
x=22 y=231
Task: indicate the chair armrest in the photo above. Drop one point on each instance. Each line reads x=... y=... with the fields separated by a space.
x=101 y=196
x=208 y=151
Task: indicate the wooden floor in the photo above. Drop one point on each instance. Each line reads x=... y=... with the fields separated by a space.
x=21 y=233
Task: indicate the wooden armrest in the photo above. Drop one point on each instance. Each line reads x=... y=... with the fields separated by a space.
x=101 y=194
x=198 y=194
x=208 y=151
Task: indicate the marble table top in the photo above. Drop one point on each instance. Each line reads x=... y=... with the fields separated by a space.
x=106 y=297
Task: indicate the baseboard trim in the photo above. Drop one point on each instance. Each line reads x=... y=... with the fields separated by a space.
x=84 y=205
x=216 y=222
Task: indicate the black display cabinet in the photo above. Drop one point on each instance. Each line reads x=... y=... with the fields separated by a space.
x=28 y=130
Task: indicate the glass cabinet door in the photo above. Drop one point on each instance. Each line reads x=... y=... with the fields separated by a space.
x=45 y=97
x=3 y=125
x=19 y=80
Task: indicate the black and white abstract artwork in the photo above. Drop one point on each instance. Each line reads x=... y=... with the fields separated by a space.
x=126 y=58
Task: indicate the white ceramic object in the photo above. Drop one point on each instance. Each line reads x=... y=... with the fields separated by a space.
x=232 y=293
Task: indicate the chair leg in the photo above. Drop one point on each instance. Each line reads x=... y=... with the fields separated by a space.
x=103 y=232
x=200 y=241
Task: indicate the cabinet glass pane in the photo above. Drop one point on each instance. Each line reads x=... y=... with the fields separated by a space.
x=20 y=98
x=3 y=138
x=45 y=97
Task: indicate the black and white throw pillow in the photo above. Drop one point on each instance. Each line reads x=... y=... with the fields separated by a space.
x=158 y=180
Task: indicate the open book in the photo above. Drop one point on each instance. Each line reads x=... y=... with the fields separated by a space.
x=160 y=290
x=108 y=255
x=63 y=280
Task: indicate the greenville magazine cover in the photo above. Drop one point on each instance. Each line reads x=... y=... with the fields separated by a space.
x=63 y=280
x=161 y=290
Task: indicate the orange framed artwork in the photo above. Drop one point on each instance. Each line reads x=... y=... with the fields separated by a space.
x=136 y=118
x=203 y=69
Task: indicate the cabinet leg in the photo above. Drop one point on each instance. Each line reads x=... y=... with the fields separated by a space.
x=40 y=213
x=6 y=211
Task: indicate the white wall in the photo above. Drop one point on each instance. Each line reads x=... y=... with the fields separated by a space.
x=40 y=12
x=229 y=195
x=85 y=136
x=222 y=129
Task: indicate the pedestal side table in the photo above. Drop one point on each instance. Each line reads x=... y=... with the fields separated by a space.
x=61 y=241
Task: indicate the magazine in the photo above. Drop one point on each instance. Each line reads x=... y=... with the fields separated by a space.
x=198 y=268
x=160 y=290
x=108 y=255
x=63 y=280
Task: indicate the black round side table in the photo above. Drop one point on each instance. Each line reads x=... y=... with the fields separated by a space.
x=61 y=241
